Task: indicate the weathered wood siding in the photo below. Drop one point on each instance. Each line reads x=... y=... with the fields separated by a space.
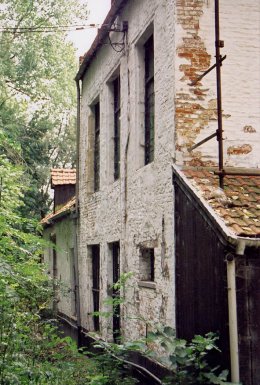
x=63 y=194
x=248 y=302
x=201 y=288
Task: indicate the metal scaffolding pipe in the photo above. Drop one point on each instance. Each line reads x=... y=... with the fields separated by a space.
x=219 y=44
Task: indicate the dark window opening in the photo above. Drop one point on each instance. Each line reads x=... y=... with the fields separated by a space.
x=149 y=100
x=97 y=147
x=116 y=291
x=117 y=112
x=73 y=282
x=146 y=264
x=96 y=283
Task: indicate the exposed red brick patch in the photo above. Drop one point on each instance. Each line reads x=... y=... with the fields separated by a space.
x=239 y=150
x=191 y=115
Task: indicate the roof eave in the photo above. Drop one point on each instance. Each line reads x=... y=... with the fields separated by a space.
x=239 y=242
x=58 y=217
x=101 y=36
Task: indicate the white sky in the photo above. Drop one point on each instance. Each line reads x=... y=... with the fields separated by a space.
x=82 y=40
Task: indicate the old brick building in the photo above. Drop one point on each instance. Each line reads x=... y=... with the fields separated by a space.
x=143 y=108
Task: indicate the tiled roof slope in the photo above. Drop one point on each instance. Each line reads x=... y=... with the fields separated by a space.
x=238 y=205
x=61 y=176
x=52 y=216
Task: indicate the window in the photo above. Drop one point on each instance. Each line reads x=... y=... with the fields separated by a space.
x=149 y=100
x=95 y=250
x=146 y=264
x=97 y=147
x=73 y=282
x=117 y=112
x=115 y=275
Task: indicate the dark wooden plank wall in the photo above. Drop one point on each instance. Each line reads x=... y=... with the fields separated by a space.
x=201 y=288
x=248 y=303
x=62 y=194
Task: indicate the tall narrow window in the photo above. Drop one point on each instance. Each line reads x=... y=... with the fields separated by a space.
x=116 y=89
x=96 y=283
x=149 y=100
x=116 y=291
x=97 y=147
x=73 y=282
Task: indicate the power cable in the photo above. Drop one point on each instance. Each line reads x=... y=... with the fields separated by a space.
x=58 y=28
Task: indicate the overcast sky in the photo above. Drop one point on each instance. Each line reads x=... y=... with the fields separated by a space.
x=82 y=40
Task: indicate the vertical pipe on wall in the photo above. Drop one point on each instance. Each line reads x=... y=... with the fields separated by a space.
x=218 y=45
x=232 y=316
x=77 y=143
x=76 y=263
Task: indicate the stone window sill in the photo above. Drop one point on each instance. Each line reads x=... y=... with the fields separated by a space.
x=147 y=284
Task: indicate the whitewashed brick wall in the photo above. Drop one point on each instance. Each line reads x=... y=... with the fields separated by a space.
x=137 y=210
x=132 y=209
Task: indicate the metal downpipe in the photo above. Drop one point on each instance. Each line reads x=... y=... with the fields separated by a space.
x=76 y=226
x=232 y=317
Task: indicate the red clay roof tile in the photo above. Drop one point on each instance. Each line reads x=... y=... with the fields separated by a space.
x=238 y=204
x=62 y=176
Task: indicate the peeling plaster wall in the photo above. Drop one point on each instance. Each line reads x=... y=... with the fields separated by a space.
x=196 y=116
x=136 y=210
x=64 y=231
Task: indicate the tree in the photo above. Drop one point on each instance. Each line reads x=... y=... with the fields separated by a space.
x=37 y=91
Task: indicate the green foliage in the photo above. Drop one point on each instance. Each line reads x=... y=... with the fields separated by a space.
x=37 y=92
x=188 y=361
x=31 y=350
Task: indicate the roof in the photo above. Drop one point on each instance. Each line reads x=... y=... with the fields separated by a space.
x=62 y=176
x=101 y=36
x=238 y=204
x=64 y=210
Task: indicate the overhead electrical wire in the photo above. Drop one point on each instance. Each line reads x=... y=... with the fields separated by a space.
x=117 y=46
x=47 y=29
